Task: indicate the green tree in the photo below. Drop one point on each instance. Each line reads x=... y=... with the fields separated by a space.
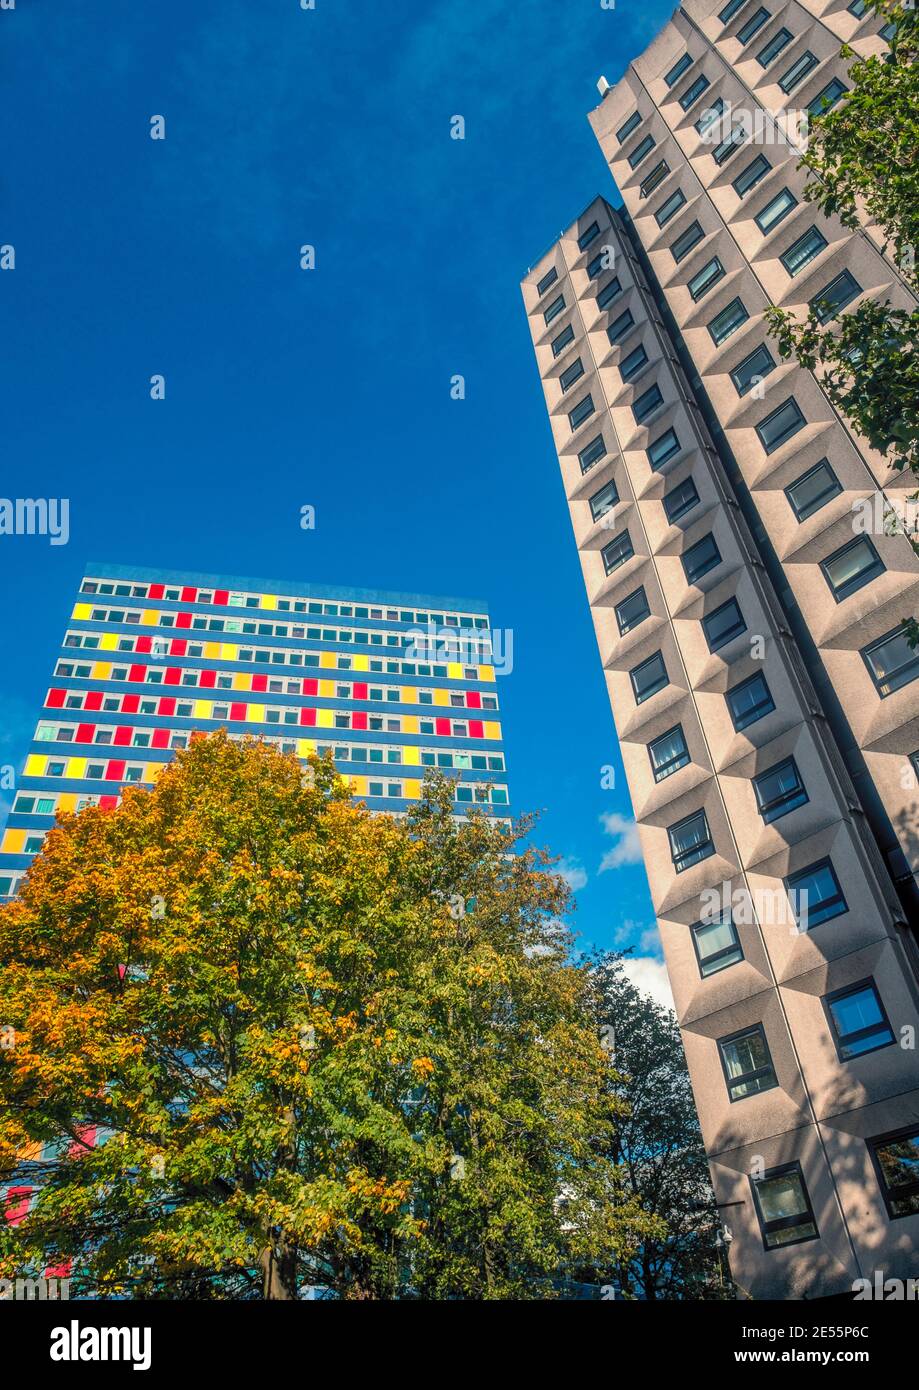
x=264 y=1040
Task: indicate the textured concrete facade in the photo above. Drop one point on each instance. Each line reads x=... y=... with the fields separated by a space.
x=768 y=769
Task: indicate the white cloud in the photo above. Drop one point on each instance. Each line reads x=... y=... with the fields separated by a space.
x=650 y=976
x=627 y=850
x=573 y=872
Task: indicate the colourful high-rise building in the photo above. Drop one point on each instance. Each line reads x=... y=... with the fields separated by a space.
x=390 y=684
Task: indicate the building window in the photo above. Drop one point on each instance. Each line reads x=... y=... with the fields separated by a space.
x=753 y=25
x=779 y=791
x=815 y=894
x=837 y=294
x=813 y=490
x=858 y=1021
x=631 y=124
x=633 y=363
x=779 y=427
x=668 y=753
x=686 y=241
x=647 y=403
x=632 y=611
x=730 y=145
x=584 y=240
x=620 y=326
x=648 y=678
x=680 y=500
x=603 y=501
x=801 y=252
x=723 y=624
x=730 y=9
x=595 y=267
x=749 y=701
x=748 y=178
x=858 y=8
x=694 y=91
x=670 y=207
x=709 y=115
x=716 y=944
x=608 y=293
x=776 y=45
x=663 y=448
x=561 y=342
x=617 y=552
x=700 y=558
x=783 y=1207
x=728 y=321
x=827 y=98
x=581 y=412
x=641 y=151
x=654 y=179
x=776 y=210
x=748 y=1068
x=706 y=278
x=548 y=279
x=797 y=72
x=680 y=66
x=892 y=662
x=571 y=374
x=850 y=568
x=690 y=841
x=555 y=308
x=592 y=453
x=752 y=370
x=896 y=1162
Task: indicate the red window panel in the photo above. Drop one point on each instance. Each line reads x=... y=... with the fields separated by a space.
x=476 y=728
x=474 y=699
x=123 y=736
x=143 y=644
x=160 y=738
x=16 y=1201
x=137 y=674
x=55 y=698
x=183 y=620
x=93 y=699
x=85 y=733
x=178 y=646
x=307 y=716
x=166 y=707
x=108 y=803
x=130 y=704
x=115 y=771
x=221 y=596
x=310 y=687
x=360 y=690
x=442 y=727
x=173 y=675
x=189 y=594
x=208 y=679
x=157 y=590
x=238 y=712
x=198 y=733
x=86 y=1134
x=59 y=1271
x=260 y=683
x=359 y=719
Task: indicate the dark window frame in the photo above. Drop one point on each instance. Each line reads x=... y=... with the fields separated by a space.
x=724 y=919
x=803 y=1218
x=661 y=684
x=880 y=1141
x=791 y=883
x=785 y=803
x=661 y=771
x=822 y=497
x=746 y=1077
x=862 y=1034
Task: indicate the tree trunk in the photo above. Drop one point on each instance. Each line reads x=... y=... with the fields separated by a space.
x=279 y=1278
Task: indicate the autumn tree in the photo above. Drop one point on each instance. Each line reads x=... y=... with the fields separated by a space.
x=259 y=1040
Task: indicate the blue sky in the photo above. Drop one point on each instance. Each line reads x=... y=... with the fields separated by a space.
x=328 y=387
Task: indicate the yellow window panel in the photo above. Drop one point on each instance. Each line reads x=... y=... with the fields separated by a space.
x=67 y=801
x=324 y=718
x=35 y=765
x=150 y=617
x=228 y=651
x=108 y=642
x=454 y=671
x=255 y=714
x=411 y=755
x=154 y=770
x=492 y=729
x=362 y=662
x=359 y=786
x=202 y=709
x=326 y=689
x=326 y=658
x=242 y=681
x=13 y=842
x=102 y=670
x=82 y=610
x=409 y=695
x=412 y=790
x=305 y=747
x=410 y=724
x=269 y=600
x=441 y=697
x=76 y=768
x=212 y=649
x=486 y=673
